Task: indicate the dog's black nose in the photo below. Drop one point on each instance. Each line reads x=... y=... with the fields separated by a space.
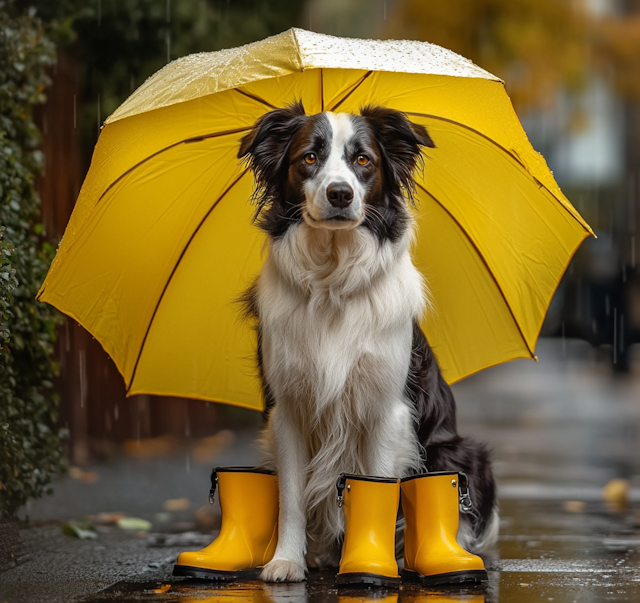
x=339 y=194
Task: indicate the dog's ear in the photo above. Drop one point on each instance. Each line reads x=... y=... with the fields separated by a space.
x=400 y=141
x=266 y=145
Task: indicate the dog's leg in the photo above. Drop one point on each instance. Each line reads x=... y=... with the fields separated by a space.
x=392 y=446
x=288 y=564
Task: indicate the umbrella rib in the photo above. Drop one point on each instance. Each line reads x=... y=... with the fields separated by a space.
x=348 y=94
x=175 y=268
x=509 y=153
x=486 y=264
x=256 y=98
x=168 y=148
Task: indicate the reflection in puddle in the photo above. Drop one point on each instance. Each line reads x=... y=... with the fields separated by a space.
x=443 y=598
x=319 y=588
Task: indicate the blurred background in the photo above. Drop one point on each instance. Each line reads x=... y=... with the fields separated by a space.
x=560 y=429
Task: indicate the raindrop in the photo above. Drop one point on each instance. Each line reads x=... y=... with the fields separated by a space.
x=98 y=115
x=615 y=335
x=168 y=41
x=83 y=376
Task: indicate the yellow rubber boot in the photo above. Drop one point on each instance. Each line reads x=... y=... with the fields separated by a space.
x=430 y=503
x=370 y=506
x=249 y=531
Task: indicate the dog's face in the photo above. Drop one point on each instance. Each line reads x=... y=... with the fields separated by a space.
x=334 y=170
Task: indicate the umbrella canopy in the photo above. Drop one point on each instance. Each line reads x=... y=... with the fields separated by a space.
x=161 y=241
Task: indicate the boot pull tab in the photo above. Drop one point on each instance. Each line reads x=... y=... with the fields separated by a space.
x=340 y=484
x=214 y=484
x=466 y=504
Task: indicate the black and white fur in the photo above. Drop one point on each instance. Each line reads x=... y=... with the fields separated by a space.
x=350 y=382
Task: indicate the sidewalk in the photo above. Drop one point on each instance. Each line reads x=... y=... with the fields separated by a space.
x=560 y=429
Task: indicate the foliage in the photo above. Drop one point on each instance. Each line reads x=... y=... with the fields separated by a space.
x=8 y=282
x=536 y=46
x=31 y=452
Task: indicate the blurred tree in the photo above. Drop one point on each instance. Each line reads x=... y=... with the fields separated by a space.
x=536 y=46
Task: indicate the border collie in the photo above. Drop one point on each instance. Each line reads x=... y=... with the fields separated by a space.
x=350 y=382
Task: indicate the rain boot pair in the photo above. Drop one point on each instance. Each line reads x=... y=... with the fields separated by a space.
x=249 y=531
x=430 y=503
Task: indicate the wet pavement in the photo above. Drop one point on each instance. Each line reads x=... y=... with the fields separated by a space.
x=560 y=431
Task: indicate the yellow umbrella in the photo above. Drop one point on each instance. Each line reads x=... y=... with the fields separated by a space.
x=161 y=243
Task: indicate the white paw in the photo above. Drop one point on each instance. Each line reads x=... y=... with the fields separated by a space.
x=282 y=570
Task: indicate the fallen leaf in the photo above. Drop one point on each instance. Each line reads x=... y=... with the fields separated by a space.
x=573 y=506
x=177 y=504
x=208 y=448
x=134 y=524
x=616 y=494
x=163 y=589
x=78 y=529
x=151 y=447
x=87 y=477
x=106 y=519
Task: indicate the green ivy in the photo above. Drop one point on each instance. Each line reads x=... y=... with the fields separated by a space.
x=8 y=282
x=30 y=445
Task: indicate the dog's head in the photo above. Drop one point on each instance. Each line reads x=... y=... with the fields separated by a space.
x=334 y=170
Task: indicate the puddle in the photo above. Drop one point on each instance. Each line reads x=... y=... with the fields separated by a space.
x=319 y=588
x=514 y=584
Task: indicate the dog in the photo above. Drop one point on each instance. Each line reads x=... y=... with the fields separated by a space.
x=349 y=381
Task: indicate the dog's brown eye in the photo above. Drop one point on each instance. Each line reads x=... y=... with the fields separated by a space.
x=363 y=160
x=310 y=158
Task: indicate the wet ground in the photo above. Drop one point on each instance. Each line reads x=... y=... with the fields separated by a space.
x=560 y=430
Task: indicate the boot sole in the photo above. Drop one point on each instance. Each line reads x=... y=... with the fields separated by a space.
x=363 y=579
x=468 y=576
x=218 y=575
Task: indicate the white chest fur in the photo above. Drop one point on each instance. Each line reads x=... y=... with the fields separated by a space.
x=336 y=311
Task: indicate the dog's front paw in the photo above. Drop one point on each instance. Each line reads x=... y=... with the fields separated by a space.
x=282 y=570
